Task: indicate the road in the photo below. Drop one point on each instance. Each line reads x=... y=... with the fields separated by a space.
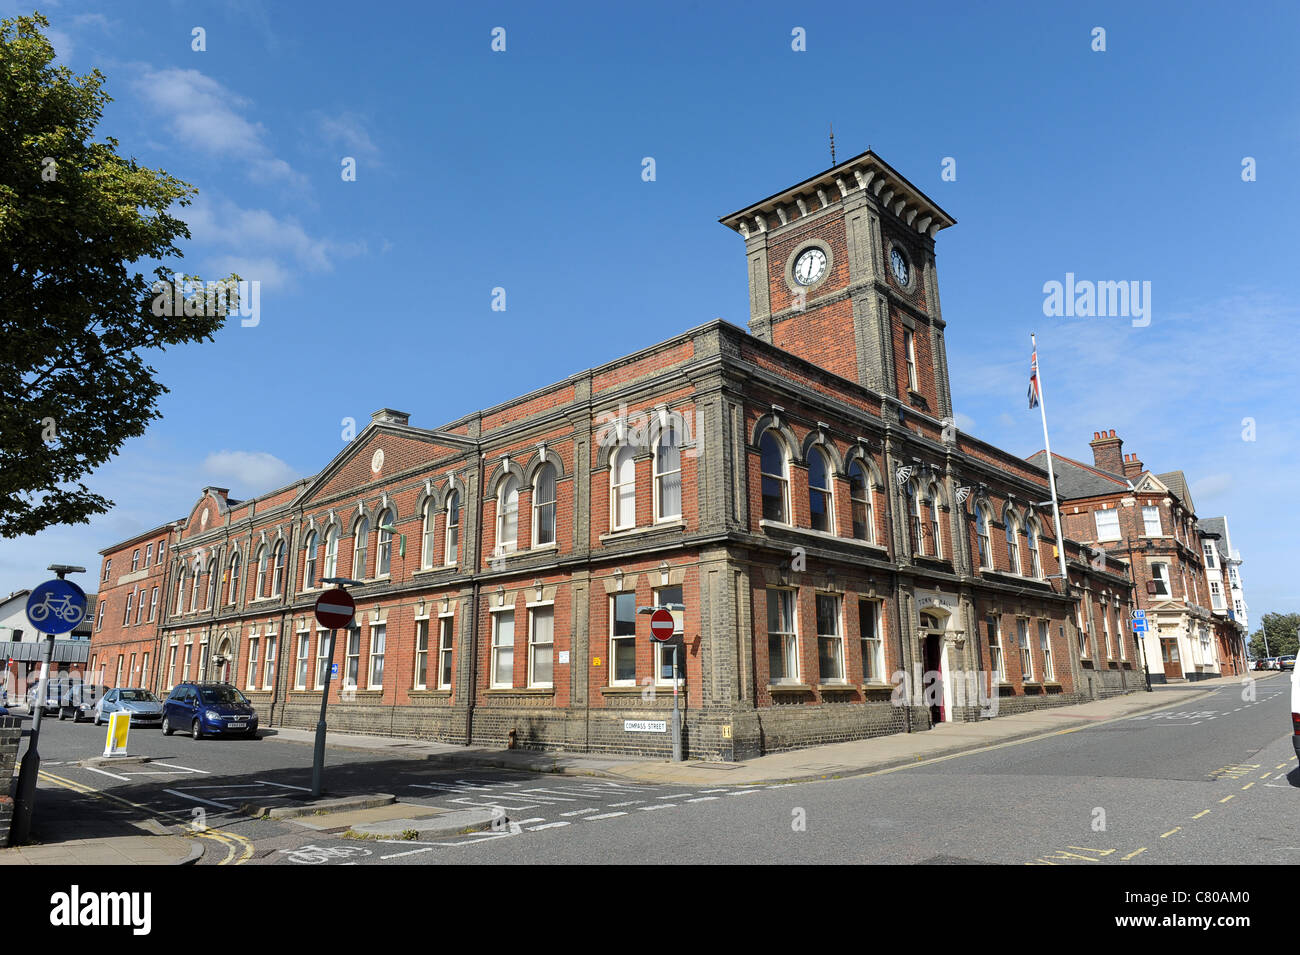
x=1212 y=781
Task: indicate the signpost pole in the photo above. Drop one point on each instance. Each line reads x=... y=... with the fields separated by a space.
x=318 y=759
x=677 y=714
x=26 y=800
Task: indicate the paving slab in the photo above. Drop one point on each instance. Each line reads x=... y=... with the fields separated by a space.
x=319 y=807
x=114 y=850
x=429 y=827
x=338 y=821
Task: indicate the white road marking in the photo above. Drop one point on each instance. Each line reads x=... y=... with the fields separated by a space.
x=219 y=805
x=745 y=792
x=187 y=769
x=674 y=796
x=305 y=789
x=107 y=773
x=579 y=812
x=549 y=825
x=630 y=802
x=702 y=799
x=662 y=805
x=607 y=815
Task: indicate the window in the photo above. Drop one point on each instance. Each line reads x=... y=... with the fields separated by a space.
x=1122 y=636
x=820 y=500
x=421 y=654
x=352 y=658
x=384 y=551
x=1160 y=580
x=117 y=681
x=203 y=660
x=873 y=651
x=378 y=640
x=776 y=485
x=180 y=593
x=503 y=648
x=139 y=608
x=148 y=554
x=544 y=506
x=1026 y=654
x=259 y=583
x=198 y=587
x=144 y=670
x=622 y=636
x=1013 y=544
x=1105 y=629
x=622 y=490
x=1208 y=547
x=126 y=618
x=135 y=560
x=185 y=663
x=426 y=535
x=324 y=656
x=1216 y=595
x=360 y=547
x=782 y=638
x=1151 y=521
x=932 y=507
x=300 y=678
x=668 y=474
x=1045 y=648
x=864 y=523
x=332 y=552
x=444 y=652
x=153 y=604
x=171 y=667
x=1238 y=606
x=159 y=558
x=663 y=651
x=1035 y=564
x=453 y=526
x=103 y=605
x=909 y=355
x=269 y=670
x=252 y=662
x=541 y=646
x=1083 y=630
x=309 y=562
x=508 y=515
x=234 y=578
x=1107 y=524
x=830 y=643
x=996 y=661
x=212 y=585
x=108 y=566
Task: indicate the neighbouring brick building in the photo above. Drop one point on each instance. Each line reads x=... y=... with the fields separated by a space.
x=799 y=495
x=1227 y=600
x=124 y=631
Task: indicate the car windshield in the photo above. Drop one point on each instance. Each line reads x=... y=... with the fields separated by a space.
x=221 y=694
x=137 y=696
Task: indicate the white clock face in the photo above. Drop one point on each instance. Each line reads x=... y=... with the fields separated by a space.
x=899 y=265
x=810 y=266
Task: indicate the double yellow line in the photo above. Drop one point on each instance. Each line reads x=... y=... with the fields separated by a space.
x=238 y=849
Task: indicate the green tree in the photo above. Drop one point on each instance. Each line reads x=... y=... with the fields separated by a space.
x=74 y=219
x=1281 y=630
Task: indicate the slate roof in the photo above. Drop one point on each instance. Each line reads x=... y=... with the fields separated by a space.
x=1177 y=482
x=1074 y=479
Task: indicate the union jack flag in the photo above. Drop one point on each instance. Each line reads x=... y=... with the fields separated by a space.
x=1033 y=381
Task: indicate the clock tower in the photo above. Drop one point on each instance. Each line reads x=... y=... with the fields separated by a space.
x=841 y=273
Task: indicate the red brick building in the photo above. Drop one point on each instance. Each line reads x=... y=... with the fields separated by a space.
x=800 y=494
x=124 y=631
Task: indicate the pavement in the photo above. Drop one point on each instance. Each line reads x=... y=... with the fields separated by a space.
x=372 y=816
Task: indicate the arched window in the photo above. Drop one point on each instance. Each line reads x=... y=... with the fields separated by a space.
x=932 y=512
x=1013 y=543
x=332 y=551
x=277 y=572
x=360 y=547
x=916 y=519
x=453 y=527
x=1035 y=564
x=384 y=552
x=820 y=499
x=864 y=518
x=622 y=490
x=544 y=506
x=508 y=515
x=212 y=585
x=198 y=587
x=179 y=606
x=430 y=519
x=668 y=475
x=233 y=595
x=309 y=562
x=259 y=585
x=775 y=481
x=982 y=535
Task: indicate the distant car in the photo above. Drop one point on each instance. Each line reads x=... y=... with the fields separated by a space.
x=145 y=708
x=1287 y=662
x=53 y=694
x=209 y=709
x=78 y=700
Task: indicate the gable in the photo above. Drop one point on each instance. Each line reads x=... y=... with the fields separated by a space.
x=373 y=458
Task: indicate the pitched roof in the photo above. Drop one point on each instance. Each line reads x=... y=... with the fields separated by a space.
x=1074 y=479
x=1177 y=482
x=1219 y=526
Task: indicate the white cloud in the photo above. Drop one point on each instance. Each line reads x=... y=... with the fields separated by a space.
x=1206 y=489
x=249 y=472
x=349 y=131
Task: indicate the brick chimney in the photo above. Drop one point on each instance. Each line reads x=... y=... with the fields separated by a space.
x=1132 y=466
x=1107 y=451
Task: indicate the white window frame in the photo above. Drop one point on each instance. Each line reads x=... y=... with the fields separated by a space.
x=253 y=659
x=148 y=554
x=452 y=528
x=1013 y=545
x=260 y=583
x=331 y=551
x=324 y=658
x=153 y=604
x=213 y=584
x=427 y=542
x=268 y=667
x=309 y=562
x=1147 y=516
x=1026 y=651
x=500 y=645
x=421 y=653
x=909 y=356
x=782 y=479
x=302 y=663
x=233 y=572
x=171 y=667
x=836 y=638
x=1216 y=596
x=1111 y=514
x=509 y=488
x=827 y=493
x=873 y=647
x=665 y=476
x=621 y=484
x=663 y=657
x=536 y=646
x=384 y=543
x=867 y=503
x=126 y=617
x=540 y=519
x=378 y=650
x=983 y=537
x=360 y=547
x=278 y=563
x=351 y=657
x=446 y=649
x=1105 y=627
x=135 y=560
x=179 y=606
x=197 y=588
x=139 y=607
x=144 y=670
x=789 y=639
x=1162 y=578
x=1045 y=648
x=997 y=656
x=615 y=640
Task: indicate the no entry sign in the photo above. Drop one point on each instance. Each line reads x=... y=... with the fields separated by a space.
x=335 y=609
x=662 y=625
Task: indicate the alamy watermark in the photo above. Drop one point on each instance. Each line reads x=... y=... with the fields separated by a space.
x=950 y=687
x=638 y=429
x=1086 y=299
x=186 y=296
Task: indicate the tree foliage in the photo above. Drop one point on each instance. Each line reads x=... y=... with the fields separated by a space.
x=75 y=218
x=1281 y=630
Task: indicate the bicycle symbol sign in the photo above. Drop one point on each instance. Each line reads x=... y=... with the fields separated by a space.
x=56 y=606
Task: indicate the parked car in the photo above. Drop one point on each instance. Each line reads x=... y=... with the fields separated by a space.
x=78 y=700
x=53 y=693
x=1295 y=711
x=1287 y=662
x=145 y=708
x=209 y=709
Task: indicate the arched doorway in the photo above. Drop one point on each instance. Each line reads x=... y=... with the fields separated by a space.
x=225 y=651
x=934 y=653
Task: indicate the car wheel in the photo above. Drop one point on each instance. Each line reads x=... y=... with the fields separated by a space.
x=167 y=727
x=63 y=714
x=196 y=731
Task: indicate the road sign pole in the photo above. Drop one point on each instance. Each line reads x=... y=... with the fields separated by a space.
x=318 y=759
x=26 y=800
x=677 y=714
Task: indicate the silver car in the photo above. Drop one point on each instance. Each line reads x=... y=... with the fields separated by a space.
x=145 y=708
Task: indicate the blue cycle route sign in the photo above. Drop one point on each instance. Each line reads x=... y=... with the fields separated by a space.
x=56 y=606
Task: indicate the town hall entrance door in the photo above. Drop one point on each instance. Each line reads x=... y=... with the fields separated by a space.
x=933 y=681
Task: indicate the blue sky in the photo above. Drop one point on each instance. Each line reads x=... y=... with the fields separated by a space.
x=522 y=170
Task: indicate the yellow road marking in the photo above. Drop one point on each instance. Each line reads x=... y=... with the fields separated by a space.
x=1247 y=786
x=1132 y=854
x=1280 y=766
x=1170 y=832
x=1203 y=812
x=1062 y=854
x=1100 y=852
x=1226 y=798
x=1266 y=775
x=238 y=849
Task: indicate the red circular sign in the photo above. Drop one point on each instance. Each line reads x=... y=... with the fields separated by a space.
x=335 y=609
x=662 y=625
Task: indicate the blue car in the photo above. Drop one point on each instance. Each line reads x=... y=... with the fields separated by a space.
x=209 y=709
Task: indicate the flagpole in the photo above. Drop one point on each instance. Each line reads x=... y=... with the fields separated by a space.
x=1051 y=471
